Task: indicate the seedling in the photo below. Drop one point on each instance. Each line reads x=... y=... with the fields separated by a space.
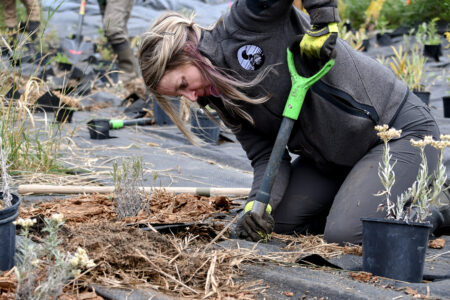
x=129 y=191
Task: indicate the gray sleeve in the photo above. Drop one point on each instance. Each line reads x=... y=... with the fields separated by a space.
x=322 y=11
x=258 y=15
x=258 y=150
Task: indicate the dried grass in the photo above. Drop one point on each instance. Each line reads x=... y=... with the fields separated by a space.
x=183 y=266
x=130 y=258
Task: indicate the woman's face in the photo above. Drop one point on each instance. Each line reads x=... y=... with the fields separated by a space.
x=185 y=80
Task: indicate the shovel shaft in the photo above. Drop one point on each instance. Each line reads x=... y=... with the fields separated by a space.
x=80 y=22
x=142 y=121
x=263 y=194
x=300 y=86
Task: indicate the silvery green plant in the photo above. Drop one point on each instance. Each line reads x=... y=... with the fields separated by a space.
x=6 y=178
x=386 y=168
x=421 y=195
x=58 y=267
x=129 y=192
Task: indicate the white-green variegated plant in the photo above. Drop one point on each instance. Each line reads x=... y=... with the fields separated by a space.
x=425 y=189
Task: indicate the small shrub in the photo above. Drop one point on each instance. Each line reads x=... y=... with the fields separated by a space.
x=421 y=195
x=129 y=193
x=42 y=269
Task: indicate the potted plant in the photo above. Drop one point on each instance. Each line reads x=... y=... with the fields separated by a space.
x=9 y=210
x=395 y=246
x=430 y=38
x=356 y=39
x=383 y=37
x=62 y=61
x=409 y=68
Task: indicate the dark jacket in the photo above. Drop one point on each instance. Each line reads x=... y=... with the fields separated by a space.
x=336 y=124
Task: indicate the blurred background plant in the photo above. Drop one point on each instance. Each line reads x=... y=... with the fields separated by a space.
x=354 y=38
x=427 y=33
x=396 y=12
x=103 y=47
x=409 y=67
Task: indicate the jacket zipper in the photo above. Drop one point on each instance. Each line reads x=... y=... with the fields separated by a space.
x=349 y=104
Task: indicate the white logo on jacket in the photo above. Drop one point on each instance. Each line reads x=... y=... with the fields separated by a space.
x=250 y=57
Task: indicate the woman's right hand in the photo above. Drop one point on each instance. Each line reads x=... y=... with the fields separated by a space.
x=253 y=227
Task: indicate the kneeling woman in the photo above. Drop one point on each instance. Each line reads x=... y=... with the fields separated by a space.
x=239 y=68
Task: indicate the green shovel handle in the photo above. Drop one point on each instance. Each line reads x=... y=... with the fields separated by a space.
x=300 y=86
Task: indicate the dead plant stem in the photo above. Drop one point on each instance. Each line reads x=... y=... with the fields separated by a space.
x=164 y=273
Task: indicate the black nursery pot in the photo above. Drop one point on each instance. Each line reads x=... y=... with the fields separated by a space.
x=424 y=96
x=446 y=103
x=8 y=233
x=384 y=39
x=64 y=66
x=433 y=51
x=395 y=249
x=205 y=128
x=99 y=129
x=161 y=118
x=365 y=45
x=64 y=114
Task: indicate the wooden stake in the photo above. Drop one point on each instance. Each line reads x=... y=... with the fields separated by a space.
x=28 y=189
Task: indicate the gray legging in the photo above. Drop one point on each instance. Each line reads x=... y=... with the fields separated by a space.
x=316 y=203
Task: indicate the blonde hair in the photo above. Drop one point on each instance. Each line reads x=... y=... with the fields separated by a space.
x=171 y=42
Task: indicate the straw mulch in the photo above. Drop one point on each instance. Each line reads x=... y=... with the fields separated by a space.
x=185 y=265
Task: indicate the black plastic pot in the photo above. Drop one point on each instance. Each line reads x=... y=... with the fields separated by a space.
x=446 y=103
x=48 y=102
x=365 y=45
x=64 y=114
x=424 y=96
x=161 y=118
x=384 y=39
x=13 y=93
x=64 y=66
x=433 y=51
x=394 y=249
x=99 y=129
x=8 y=233
x=205 y=128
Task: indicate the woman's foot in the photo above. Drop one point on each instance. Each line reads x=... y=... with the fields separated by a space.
x=444 y=228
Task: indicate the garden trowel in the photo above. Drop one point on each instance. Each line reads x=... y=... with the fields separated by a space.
x=99 y=128
x=74 y=47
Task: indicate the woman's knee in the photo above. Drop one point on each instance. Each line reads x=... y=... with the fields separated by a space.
x=343 y=233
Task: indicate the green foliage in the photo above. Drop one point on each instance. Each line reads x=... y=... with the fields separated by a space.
x=430 y=33
x=408 y=67
x=353 y=38
x=397 y=13
x=61 y=58
x=103 y=47
x=382 y=25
